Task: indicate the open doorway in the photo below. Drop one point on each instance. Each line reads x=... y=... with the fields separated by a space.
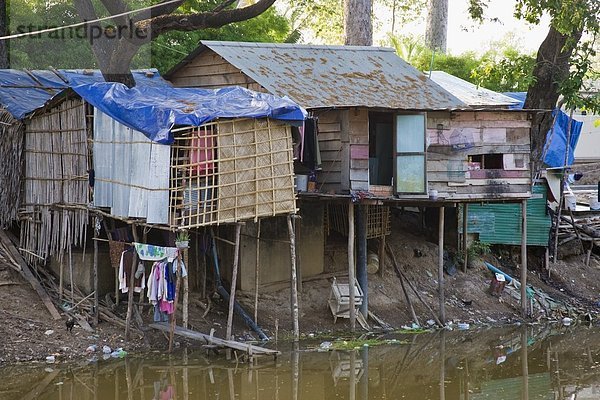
x=381 y=148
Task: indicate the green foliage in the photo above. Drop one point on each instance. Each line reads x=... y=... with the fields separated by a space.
x=169 y=48
x=571 y=17
x=503 y=68
x=477 y=249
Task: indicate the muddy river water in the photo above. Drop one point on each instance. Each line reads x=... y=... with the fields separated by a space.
x=534 y=362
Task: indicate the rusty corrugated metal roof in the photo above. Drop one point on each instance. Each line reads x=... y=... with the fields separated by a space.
x=336 y=76
x=474 y=96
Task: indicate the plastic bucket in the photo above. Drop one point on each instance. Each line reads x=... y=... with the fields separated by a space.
x=301 y=183
x=570 y=202
x=372 y=263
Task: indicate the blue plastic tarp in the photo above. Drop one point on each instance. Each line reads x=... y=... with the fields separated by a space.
x=154 y=111
x=556 y=139
x=22 y=93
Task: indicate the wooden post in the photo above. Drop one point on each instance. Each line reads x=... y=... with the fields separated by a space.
x=236 y=255
x=294 y=293
x=361 y=257
x=71 y=276
x=256 y=271
x=173 y=319
x=131 y=285
x=441 y=266
x=186 y=289
x=524 y=258
x=465 y=237
x=352 y=394
x=351 y=266
x=96 y=312
x=381 y=255
x=61 y=278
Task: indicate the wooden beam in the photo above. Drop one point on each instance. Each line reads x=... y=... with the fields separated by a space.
x=96 y=312
x=236 y=256
x=524 y=258
x=441 y=267
x=294 y=279
x=28 y=275
x=351 y=266
x=256 y=271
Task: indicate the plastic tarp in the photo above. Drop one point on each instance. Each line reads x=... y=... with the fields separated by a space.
x=556 y=139
x=555 y=144
x=22 y=92
x=154 y=111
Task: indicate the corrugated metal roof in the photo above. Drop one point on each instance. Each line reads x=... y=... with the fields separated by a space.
x=471 y=94
x=500 y=223
x=335 y=76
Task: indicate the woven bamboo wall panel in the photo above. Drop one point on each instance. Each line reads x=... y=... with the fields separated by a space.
x=246 y=173
x=56 y=164
x=378 y=220
x=11 y=150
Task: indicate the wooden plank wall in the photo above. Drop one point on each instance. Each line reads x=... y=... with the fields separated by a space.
x=334 y=151
x=454 y=137
x=358 y=129
x=211 y=71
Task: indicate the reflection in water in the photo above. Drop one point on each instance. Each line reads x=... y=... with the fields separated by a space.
x=524 y=362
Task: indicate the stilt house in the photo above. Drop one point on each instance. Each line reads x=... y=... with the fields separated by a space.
x=387 y=136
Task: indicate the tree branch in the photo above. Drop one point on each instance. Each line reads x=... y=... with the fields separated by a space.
x=192 y=22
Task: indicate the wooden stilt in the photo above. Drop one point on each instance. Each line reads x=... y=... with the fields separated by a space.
x=256 y=271
x=524 y=301
x=441 y=267
x=236 y=255
x=351 y=266
x=294 y=291
x=186 y=290
x=465 y=237
x=381 y=255
x=361 y=257
x=95 y=220
x=297 y=227
x=173 y=320
x=61 y=278
x=131 y=286
x=71 y=276
x=352 y=394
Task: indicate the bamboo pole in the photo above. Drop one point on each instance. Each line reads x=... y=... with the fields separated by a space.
x=351 y=278
x=131 y=285
x=186 y=290
x=236 y=254
x=524 y=258
x=361 y=257
x=441 y=267
x=173 y=320
x=256 y=272
x=71 y=275
x=96 y=311
x=61 y=279
x=294 y=279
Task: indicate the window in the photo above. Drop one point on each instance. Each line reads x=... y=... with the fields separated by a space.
x=410 y=154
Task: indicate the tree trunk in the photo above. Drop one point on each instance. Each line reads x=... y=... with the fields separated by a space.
x=358 y=23
x=437 y=25
x=552 y=66
x=4 y=56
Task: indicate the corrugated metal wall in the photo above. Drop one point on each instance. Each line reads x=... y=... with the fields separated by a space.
x=500 y=223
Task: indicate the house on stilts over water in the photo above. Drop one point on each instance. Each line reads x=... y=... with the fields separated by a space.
x=139 y=168
x=380 y=136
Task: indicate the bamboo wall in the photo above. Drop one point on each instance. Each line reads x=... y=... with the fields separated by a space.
x=11 y=148
x=56 y=179
x=231 y=170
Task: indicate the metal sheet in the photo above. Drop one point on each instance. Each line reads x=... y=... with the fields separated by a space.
x=335 y=76
x=132 y=173
x=474 y=96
